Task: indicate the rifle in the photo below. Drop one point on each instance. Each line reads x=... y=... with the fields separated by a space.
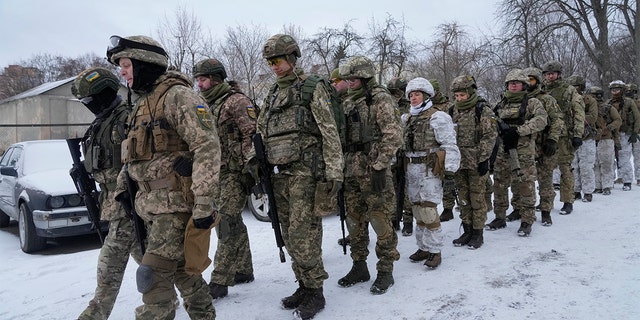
x=266 y=187
x=400 y=181
x=86 y=186
x=343 y=217
x=138 y=223
x=514 y=162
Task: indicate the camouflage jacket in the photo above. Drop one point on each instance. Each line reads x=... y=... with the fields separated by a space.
x=590 y=116
x=628 y=113
x=571 y=105
x=475 y=137
x=608 y=122
x=555 y=125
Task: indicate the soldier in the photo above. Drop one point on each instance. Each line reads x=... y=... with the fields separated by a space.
x=629 y=130
x=520 y=117
x=303 y=143
x=373 y=136
x=431 y=156
x=97 y=89
x=546 y=144
x=476 y=134
x=632 y=92
x=572 y=110
x=607 y=125
x=235 y=119
x=172 y=155
x=585 y=155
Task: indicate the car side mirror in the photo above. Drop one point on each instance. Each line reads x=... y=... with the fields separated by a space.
x=8 y=171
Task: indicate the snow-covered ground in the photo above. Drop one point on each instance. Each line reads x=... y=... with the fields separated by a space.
x=585 y=266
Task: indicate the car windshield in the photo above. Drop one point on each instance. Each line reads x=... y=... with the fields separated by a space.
x=46 y=156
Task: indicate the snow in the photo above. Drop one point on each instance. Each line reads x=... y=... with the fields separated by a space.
x=585 y=266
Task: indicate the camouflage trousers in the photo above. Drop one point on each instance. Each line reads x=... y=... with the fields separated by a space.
x=233 y=254
x=583 y=162
x=635 y=148
x=449 y=198
x=625 y=167
x=544 y=167
x=164 y=263
x=301 y=227
x=522 y=186
x=603 y=168
x=471 y=194
x=565 y=156
x=112 y=262
x=365 y=207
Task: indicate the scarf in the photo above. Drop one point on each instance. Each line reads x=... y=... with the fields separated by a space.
x=469 y=103
x=515 y=97
x=416 y=110
x=216 y=92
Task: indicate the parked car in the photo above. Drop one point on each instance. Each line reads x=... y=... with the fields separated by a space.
x=37 y=191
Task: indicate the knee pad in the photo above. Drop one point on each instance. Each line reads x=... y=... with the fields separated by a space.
x=426 y=215
x=144 y=278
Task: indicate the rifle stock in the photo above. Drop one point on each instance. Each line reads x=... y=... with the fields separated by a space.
x=267 y=188
x=86 y=186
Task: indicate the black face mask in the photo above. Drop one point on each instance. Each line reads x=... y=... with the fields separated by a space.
x=100 y=101
x=145 y=74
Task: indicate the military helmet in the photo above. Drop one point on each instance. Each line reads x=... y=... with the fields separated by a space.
x=209 y=67
x=419 y=84
x=141 y=48
x=552 y=66
x=618 y=84
x=280 y=45
x=357 y=67
x=534 y=72
x=335 y=74
x=576 y=81
x=463 y=82
x=435 y=84
x=632 y=88
x=92 y=81
x=596 y=91
x=516 y=75
x=397 y=83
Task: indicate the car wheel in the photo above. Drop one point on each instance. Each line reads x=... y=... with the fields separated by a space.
x=4 y=220
x=259 y=206
x=29 y=240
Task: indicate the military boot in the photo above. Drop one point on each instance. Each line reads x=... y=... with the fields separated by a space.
x=312 y=303
x=407 y=229
x=514 y=215
x=546 y=218
x=433 y=261
x=419 y=256
x=294 y=300
x=577 y=196
x=525 y=229
x=217 y=290
x=476 y=239
x=384 y=281
x=597 y=191
x=358 y=273
x=567 y=208
x=626 y=186
x=587 y=197
x=446 y=215
x=463 y=240
x=496 y=224
x=243 y=278
x=606 y=191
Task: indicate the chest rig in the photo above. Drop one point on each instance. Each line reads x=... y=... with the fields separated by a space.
x=101 y=142
x=362 y=130
x=420 y=136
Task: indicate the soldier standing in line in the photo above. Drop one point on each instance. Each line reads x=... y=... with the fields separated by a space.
x=303 y=144
x=607 y=125
x=629 y=130
x=373 y=136
x=520 y=117
x=234 y=116
x=572 y=110
x=476 y=134
x=632 y=92
x=172 y=155
x=585 y=155
x=97 y=89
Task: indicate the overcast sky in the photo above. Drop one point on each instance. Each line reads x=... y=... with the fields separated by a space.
x=73 y=27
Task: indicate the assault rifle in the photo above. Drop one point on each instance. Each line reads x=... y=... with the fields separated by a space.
x=265 y=186
x=400 y=180
x=86 y=186
x=138 y=223
x=514 y=162
x=343 y=217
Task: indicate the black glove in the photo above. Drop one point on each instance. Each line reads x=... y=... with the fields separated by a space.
x=378 y=180
x=633 y=138
x=510 y=138
x=449 y=183
x=576 y=142
x=125 y=201
x=203 y=223
x=483 y=167
x=549 y=147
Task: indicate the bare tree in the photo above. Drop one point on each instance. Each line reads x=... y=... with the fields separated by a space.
x=385 y=45
x=330 y=45
x=180 y=37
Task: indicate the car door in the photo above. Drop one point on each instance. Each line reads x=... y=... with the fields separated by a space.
x=8 y=182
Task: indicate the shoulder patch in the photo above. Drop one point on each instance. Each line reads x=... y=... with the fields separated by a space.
x=204 y=116
x=251 y=111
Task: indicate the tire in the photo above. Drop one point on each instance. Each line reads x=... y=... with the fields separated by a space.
x=259 y=207
x=4 y=220
x=29 y=240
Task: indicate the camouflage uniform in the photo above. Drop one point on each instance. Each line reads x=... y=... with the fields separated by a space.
x=527 y=117
x=629 y=128
x=607 y=125
x=585 y=155
x=170 y=125
x=235 y=119
x=101 y=147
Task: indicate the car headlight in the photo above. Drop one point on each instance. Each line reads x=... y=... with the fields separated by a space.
x=56 y=202
x=74 y=200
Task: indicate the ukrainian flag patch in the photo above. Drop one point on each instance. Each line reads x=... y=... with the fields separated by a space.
x=251 y=111
x=92 y=76
x=204 y=116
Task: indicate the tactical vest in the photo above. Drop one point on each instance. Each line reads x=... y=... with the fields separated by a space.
x=291 y=128
x=419 y=135
x=149 y=130
x=101 y=142
x=362 y=131
x=229 y=134
x=626 y=114
x=604 y=118
x=467 y=128
x=511 y=113
x=564 y=100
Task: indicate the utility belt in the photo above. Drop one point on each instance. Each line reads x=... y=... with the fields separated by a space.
x=434 y=160
x=355 y=147
x=170 y=182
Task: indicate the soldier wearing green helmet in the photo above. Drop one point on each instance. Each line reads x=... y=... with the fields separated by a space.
x=97 y=88
x=607 y=126
x=172 y=155
x=629 y=131
x=234 y=116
